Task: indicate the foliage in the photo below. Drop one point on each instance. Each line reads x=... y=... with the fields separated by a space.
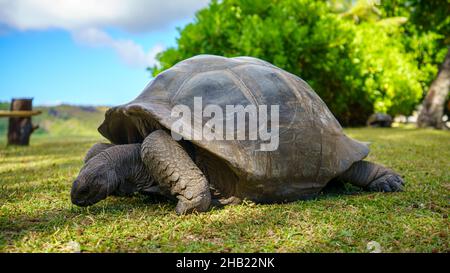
x=36 y=214
x=427 y=32
x=357 y=67
x=429 y=15
x=391 y=77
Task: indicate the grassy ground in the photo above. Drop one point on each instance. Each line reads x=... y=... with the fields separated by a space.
x=36 y=214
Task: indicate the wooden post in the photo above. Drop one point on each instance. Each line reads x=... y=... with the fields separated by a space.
x=20 y=128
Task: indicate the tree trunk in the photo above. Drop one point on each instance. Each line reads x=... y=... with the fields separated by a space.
x=433 y=104
x=20 y=129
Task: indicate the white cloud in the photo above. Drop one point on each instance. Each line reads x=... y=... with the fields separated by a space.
x=128 y=15
x=86 y=21
x=129 y=52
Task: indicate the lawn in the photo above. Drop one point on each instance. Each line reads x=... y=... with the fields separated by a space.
x=36 y=214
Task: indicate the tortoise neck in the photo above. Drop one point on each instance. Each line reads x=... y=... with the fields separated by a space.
x=126 y=160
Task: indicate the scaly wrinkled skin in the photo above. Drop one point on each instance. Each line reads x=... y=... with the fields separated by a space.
x=372 y=177
x=175 y=172
x=95 y=150
x=117 y=170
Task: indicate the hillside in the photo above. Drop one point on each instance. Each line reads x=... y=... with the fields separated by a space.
x=63 y=120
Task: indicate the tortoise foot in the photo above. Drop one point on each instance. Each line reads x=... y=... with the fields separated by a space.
x=390 y=182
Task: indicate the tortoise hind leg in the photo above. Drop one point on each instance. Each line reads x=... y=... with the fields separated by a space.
x=372 y=177
x=175 y=172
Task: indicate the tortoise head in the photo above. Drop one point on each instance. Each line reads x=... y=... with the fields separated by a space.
x=96 y=180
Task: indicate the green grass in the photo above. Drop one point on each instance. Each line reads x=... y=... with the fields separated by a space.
x=36 y=214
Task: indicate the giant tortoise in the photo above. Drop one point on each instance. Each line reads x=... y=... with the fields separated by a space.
x=144 y=157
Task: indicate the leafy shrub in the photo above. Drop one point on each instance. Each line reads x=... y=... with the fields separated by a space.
x=355 y=68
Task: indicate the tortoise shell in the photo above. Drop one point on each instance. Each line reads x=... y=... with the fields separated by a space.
x=312 y=146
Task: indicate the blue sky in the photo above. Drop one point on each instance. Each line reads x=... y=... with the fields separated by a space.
x=83 y=59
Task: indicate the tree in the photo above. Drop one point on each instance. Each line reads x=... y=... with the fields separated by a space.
x=428 y=30
x=433 y=104
x=357 y=68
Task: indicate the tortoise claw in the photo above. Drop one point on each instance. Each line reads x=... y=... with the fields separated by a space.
x=388 y=183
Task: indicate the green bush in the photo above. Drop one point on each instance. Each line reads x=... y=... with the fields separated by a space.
x=356 y=68
x=391 y=77
x=426 y=32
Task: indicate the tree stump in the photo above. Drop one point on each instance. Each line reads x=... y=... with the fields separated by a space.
x=20 y=128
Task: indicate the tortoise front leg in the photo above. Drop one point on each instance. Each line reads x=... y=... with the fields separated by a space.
x=175 y=172
x=372 y=177
x=95 y=150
